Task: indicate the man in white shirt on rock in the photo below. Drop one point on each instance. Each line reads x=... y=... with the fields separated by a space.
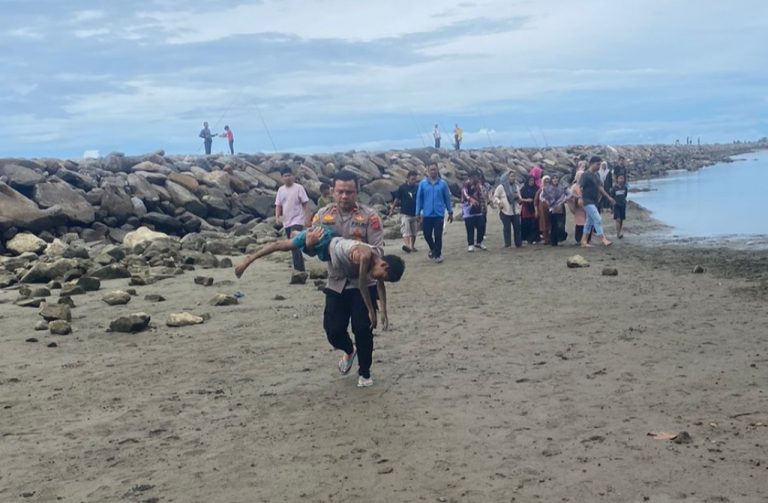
x=291 y=211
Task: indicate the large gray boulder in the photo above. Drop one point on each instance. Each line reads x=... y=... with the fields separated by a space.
x=25 y=242
x=163 y=223
x=143 y=189
x=182 y=197
x=22 y=213
x=57 y=192
x=259 y=204
x=43 y=272
x=21 y=177
x=116 y=202
x=76 y=179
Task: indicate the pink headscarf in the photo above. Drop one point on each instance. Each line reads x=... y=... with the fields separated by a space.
x=536 y=173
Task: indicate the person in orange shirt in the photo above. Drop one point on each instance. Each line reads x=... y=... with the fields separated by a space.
x=230 y=139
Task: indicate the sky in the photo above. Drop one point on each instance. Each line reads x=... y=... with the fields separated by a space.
x=336 y=75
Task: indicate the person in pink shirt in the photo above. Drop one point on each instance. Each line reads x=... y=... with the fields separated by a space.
x=291 y=211
x=230 y=136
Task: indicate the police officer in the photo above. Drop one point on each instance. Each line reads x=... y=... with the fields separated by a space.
x=343 y=301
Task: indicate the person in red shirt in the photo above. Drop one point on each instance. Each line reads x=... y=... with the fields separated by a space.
x=230 y=139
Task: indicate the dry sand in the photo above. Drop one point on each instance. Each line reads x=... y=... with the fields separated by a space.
x=505 y=377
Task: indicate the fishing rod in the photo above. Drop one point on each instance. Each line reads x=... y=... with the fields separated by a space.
x=418 y=129
x=266 y=128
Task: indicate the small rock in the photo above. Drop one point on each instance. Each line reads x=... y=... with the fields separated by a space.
x=318 y=273
x=51 y=312
x=69 y=289
x=41 y=325
x=66 y=300
x=53 y=345
x=154 y=297
x=40 y=292
x=222 y=299
x=320 y=284
x=299 y=278
x=54 y=285
x=88 y=283
x=683 y=438
x=24 y=302
x=183 y=319
x=112 y=271
x=225 y=263
x=278 y=297
x=142 y=280
x=131 y=323
x=31 y=339
x=60 y=327
x=576 y=261
x=26 y=242
x=132 y=291
x=203 y=280
x=117 y=298
x=610 y=271
x=698 y=269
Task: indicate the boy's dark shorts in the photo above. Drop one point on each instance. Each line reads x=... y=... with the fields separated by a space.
x=619 y=212
x=321 y=248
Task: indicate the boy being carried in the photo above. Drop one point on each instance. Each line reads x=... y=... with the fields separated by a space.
x=349 y=259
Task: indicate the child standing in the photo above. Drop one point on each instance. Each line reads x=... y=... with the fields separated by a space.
x=619 y=193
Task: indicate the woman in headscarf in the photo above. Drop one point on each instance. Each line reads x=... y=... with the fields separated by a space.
x=542 y=210
x=473 y=202
x=507 y=198
x=554 y=196
x=529 y=227
x=606 y=178
x=576 y=205
x=536 y=173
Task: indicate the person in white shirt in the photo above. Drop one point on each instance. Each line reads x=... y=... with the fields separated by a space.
x=507 y=198
x=436 y=136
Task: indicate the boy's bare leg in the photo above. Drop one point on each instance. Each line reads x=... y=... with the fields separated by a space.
x=282 y=245
x=619 y=228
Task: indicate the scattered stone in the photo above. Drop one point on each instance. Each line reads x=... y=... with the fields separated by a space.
x=40 y=292
x=225 y=263
x=222 y=299
x=52 y=345
x=183 y=319
x=41 y=325
x=320 y=284
x=142 y=280
x=141 y=235
x=299 y=278
x=318 y=273
x=54 y=285
x=25 y=291
x=31 y=339
x=117 y=298
x=203 y=280
x=154 y=297
x=278 y=297
x=132 y=292
x=683 y=438
x=698 y=269
x=112 y=271
x=27 y=302
x=66 y=300
x=89 y=283
x=43 y=272
x=51 y=312
x=60 y=327
x=576 y=261
x=131 y=323
x=26 y=242
x=610 y=271
x=69 y=289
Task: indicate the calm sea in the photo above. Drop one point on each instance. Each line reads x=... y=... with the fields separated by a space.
x=724 y=200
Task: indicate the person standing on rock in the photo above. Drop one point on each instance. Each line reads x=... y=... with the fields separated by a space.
x=436 y=136
x=591 y=189
x=433 y=200
x=405 y=198
x=230 y=136
x=343 y=301
x=291 y=211
x=207 y=137
x=458 y=136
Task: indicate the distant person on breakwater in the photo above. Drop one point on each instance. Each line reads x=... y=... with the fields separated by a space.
x=591 y=189
x=458 y=137
x=230 y=139
x=207 y=137
x=436 y=136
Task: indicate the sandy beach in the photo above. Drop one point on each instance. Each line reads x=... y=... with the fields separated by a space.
x=505 y=377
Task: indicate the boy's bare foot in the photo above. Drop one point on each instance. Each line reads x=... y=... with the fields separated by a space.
x=606 y=242
x=239 y=270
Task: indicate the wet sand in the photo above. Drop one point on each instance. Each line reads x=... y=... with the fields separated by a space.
x=506 y=377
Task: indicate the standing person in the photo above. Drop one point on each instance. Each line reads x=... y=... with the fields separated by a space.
x=472 y=210
x=528 y=216
x=591 y=189
x=536 y=172
x=458 y=136
x=542 y=210
x=325 y=196
x=343 y=300
x=619 y=194
x=576 y=205
x=230 y=139
x=207 y=137
x=436 y=136
x=507 y=198
x=607 y=180
x=554 y=196
x=433 y=200
x=291 y=211
x=405 y=198
x=620 y=170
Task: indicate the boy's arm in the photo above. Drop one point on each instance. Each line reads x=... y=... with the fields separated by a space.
x=603 y=192
x=362 y=285
x=448 y=202
x=383 y=304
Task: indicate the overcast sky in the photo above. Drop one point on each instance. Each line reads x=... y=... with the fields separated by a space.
x=332 y=75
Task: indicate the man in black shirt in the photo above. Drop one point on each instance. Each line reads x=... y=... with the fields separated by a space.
x=405 y=197
x=620 y=170
x=591 y=188
x=207 y=137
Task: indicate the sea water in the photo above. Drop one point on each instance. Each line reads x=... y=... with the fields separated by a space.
x=726 y=200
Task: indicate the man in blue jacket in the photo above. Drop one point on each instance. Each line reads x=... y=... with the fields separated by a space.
x=433 y=199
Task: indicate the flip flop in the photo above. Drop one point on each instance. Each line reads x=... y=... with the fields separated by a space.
x=346 y=365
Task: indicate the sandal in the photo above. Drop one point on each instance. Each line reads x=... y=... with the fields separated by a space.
x=345 y=365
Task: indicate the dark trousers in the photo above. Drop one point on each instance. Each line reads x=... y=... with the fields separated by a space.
x=579 y=231
x=298 y=258
x=340 y=308
x=208 y=144
x=475 y=229
x=530 y=229
x=437 y=142
x=557 y=232
x=433 y=234
x=232 y=147
x=511 y=224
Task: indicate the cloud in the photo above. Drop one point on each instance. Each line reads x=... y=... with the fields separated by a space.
x=27 y=33
x=88 y=15
x=94 y=32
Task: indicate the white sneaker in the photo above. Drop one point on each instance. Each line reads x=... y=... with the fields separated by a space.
x=482 y=246
x=364 y=382
x=470 y=248
x=438 y=260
